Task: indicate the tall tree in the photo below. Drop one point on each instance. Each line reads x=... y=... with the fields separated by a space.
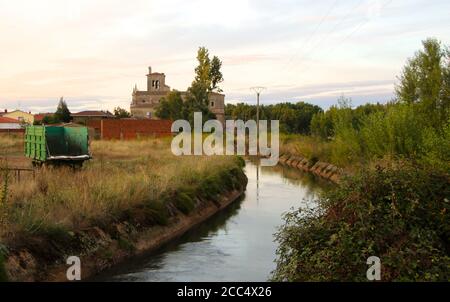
x=424 y=82
x=121 y=113
x=215 y=74
x=207 y=78
x=171 y=107
x=197 y=98
x=203 y=70
x=62 y=113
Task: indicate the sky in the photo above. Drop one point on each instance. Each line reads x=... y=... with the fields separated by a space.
x=93 y=52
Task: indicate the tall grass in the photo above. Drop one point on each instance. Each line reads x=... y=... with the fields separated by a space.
x=11 y=143
x=121 y=176
x=306 y=146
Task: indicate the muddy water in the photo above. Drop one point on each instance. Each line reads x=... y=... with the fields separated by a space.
x=234 y=245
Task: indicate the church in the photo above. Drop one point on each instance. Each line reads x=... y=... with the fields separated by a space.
x=144 y=103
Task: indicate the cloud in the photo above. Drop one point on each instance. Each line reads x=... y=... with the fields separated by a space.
x=94 y=51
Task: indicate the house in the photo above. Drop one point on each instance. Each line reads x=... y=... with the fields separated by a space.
x=7 y=124
x=19 y=115
x=40 y=116
x=84 y=116
x=144 y=103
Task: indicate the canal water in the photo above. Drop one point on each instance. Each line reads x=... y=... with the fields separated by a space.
x=237 y=244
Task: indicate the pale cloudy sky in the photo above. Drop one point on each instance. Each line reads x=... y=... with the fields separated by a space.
x=92 y=52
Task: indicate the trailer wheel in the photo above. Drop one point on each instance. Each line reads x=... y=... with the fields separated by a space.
x=76 y=166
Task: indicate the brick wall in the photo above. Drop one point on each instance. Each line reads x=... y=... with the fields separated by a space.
x=95 y=128
x=132 y=129
x=21 y=131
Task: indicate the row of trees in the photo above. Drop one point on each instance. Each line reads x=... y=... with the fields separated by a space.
x=294 y=118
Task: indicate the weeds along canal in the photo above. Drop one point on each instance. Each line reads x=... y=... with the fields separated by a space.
x=236 y=244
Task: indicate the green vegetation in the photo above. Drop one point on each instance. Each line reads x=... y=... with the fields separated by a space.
x=416 y=126
x=207 y=78
x=121 y=113
x=3 y=275
x=396 y=206
x=398 y=213
x=62 y=115
x=172 y=107
x=294 y=118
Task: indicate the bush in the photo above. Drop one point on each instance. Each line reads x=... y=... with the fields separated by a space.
x=184 y=203
x=400 y=213
x=3 y=274
x=436 y=148
x=158 y=212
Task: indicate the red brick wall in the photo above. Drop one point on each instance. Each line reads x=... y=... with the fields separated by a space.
x=95 y=128
x=22 y=131
x=132 y=129
x=96 y=124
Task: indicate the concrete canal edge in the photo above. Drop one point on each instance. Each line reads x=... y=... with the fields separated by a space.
x=318 y=168
x=103 y=250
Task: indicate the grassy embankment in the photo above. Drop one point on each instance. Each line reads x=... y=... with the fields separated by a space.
x=122 y=177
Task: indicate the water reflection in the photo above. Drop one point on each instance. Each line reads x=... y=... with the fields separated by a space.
x=237 y=243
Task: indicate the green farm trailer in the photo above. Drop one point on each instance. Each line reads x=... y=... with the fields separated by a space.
x=57 y=145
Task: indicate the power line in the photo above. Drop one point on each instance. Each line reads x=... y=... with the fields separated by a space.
x=327 y=35
x=315 y=30
x=356 y=29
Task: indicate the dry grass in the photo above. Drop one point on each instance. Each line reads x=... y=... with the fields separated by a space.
x=121 y=175
x=11 y=143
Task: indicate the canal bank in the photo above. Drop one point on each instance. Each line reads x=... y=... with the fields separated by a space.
x=236 y=244
x=142 y=229
x=322 y=169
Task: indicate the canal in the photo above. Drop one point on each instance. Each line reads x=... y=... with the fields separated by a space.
x=237 y=244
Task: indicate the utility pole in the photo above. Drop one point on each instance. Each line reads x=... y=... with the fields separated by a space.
x=258 y=91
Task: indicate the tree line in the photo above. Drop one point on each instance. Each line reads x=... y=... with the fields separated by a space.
x=416 y=124
x=294 y=118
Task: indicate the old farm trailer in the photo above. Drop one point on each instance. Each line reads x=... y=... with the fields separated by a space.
x=57 y=145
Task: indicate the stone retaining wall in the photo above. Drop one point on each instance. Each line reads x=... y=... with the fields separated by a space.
x=321 y=169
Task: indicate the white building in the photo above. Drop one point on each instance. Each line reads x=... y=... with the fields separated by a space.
x=7 y=123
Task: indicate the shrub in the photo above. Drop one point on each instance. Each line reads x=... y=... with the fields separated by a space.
x=436 y=148
x=158 y=212
x=3 y=274
x=400 y=213
x=126 y=245
x=184 y=203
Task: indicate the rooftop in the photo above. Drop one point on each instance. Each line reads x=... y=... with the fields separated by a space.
x=40 y=116
x=93 y=113
x=7 y=120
